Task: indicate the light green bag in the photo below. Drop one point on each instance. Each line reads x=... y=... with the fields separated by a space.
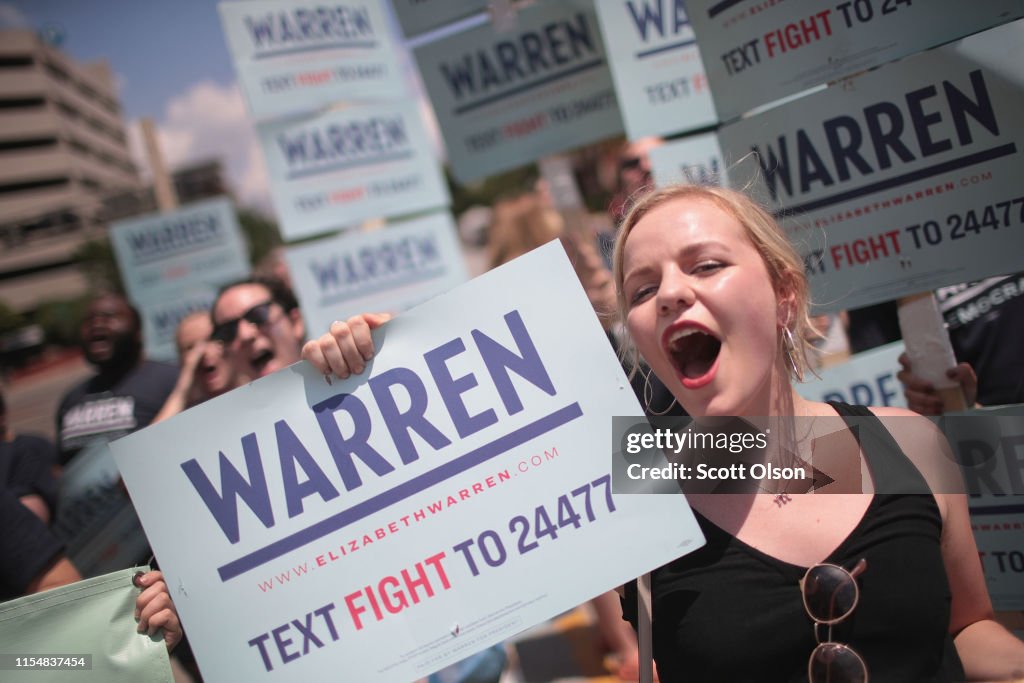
x=95 y=617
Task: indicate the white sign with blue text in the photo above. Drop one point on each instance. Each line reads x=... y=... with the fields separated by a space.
x=867 y=379
x=695 y=159
x=505 y=99
x=382 y=527
x=344 y=166
x=200 y=244
x=759 y=52
x=906 y=178
x=390 y=269
x=294 y=56
x=658 y=73
x=161 y=312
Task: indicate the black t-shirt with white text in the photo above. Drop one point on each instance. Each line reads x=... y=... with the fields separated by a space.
x=100 y=409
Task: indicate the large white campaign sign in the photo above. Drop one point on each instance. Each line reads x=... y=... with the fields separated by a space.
x=420 y=16
x=347 y=165
x=758 y=51
x=294 y=56
x=903 y=179
x=198 y=244
x=658 y=73
x=504 y=99
x=391 y=269
x=694 y=159
x=867 y=379
x=380 y=528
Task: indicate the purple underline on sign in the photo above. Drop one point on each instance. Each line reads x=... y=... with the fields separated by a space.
x=665 y=48
x=913 y=176
x=319 y=46
x=406 y=489
x=998 y=510
x=340 y=166
x=383 y=285
x=178 y=251
x=715 y=10
x=529 y=86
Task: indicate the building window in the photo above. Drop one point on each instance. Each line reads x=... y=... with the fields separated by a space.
x=44 y=183
x=7 y=145
x=22 y=102
x=15 y=61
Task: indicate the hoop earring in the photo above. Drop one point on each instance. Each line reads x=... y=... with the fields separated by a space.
x=789 y=347
x=649 y=396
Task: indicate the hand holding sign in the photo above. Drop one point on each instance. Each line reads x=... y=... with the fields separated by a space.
x=155 y=611
x=347 y=347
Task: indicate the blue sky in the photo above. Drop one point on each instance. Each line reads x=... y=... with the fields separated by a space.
x=158 y=49
x=172 y=64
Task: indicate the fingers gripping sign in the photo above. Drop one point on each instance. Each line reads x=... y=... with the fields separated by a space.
x=154 y=609
x=347 y=347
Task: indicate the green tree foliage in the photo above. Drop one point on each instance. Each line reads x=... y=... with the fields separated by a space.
x=97 y=262
x=60 y=319
x=260 y=232
x=10 y=319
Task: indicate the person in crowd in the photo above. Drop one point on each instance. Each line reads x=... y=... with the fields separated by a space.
x=714 y=298
x=26 y=461
x=127 y=390
x=985 y=320
x=204 y=371
x=32 y=560
x=260 y=327
x=786 y=588
x=633 y=175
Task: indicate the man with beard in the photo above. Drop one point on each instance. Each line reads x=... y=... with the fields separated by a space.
x=127 y=390
x=259 y=324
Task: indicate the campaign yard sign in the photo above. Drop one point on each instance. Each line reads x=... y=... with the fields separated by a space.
x=904 y=179
x=867 y=379
x=382 y=527
x=344 y=166
x=504 y=99
x=694 y=159
x=390 y=269
x=200 y=243
x=759 y=51
x=293 y=56
x=659 y=76
x=162 y=311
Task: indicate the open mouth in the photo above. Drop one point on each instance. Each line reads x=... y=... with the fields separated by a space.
x=694 y=353
x=261 y=360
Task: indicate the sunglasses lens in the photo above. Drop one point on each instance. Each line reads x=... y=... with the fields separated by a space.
x=226 y=331
x=836 y=663
x=258 y=315
x=830 y=593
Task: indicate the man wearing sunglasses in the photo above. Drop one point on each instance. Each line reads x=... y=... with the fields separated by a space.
x=259 y=324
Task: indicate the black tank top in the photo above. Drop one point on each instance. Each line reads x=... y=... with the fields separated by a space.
x=728 y=612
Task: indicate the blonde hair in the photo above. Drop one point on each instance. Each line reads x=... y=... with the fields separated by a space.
x=785 y=267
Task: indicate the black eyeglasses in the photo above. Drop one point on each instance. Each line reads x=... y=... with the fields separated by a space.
x=830 y=594
x=227 y=331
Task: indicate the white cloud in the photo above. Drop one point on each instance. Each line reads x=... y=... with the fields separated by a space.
x=209 y=121
x=11 y=16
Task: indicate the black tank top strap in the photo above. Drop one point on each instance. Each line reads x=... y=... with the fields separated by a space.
x=891 y=469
